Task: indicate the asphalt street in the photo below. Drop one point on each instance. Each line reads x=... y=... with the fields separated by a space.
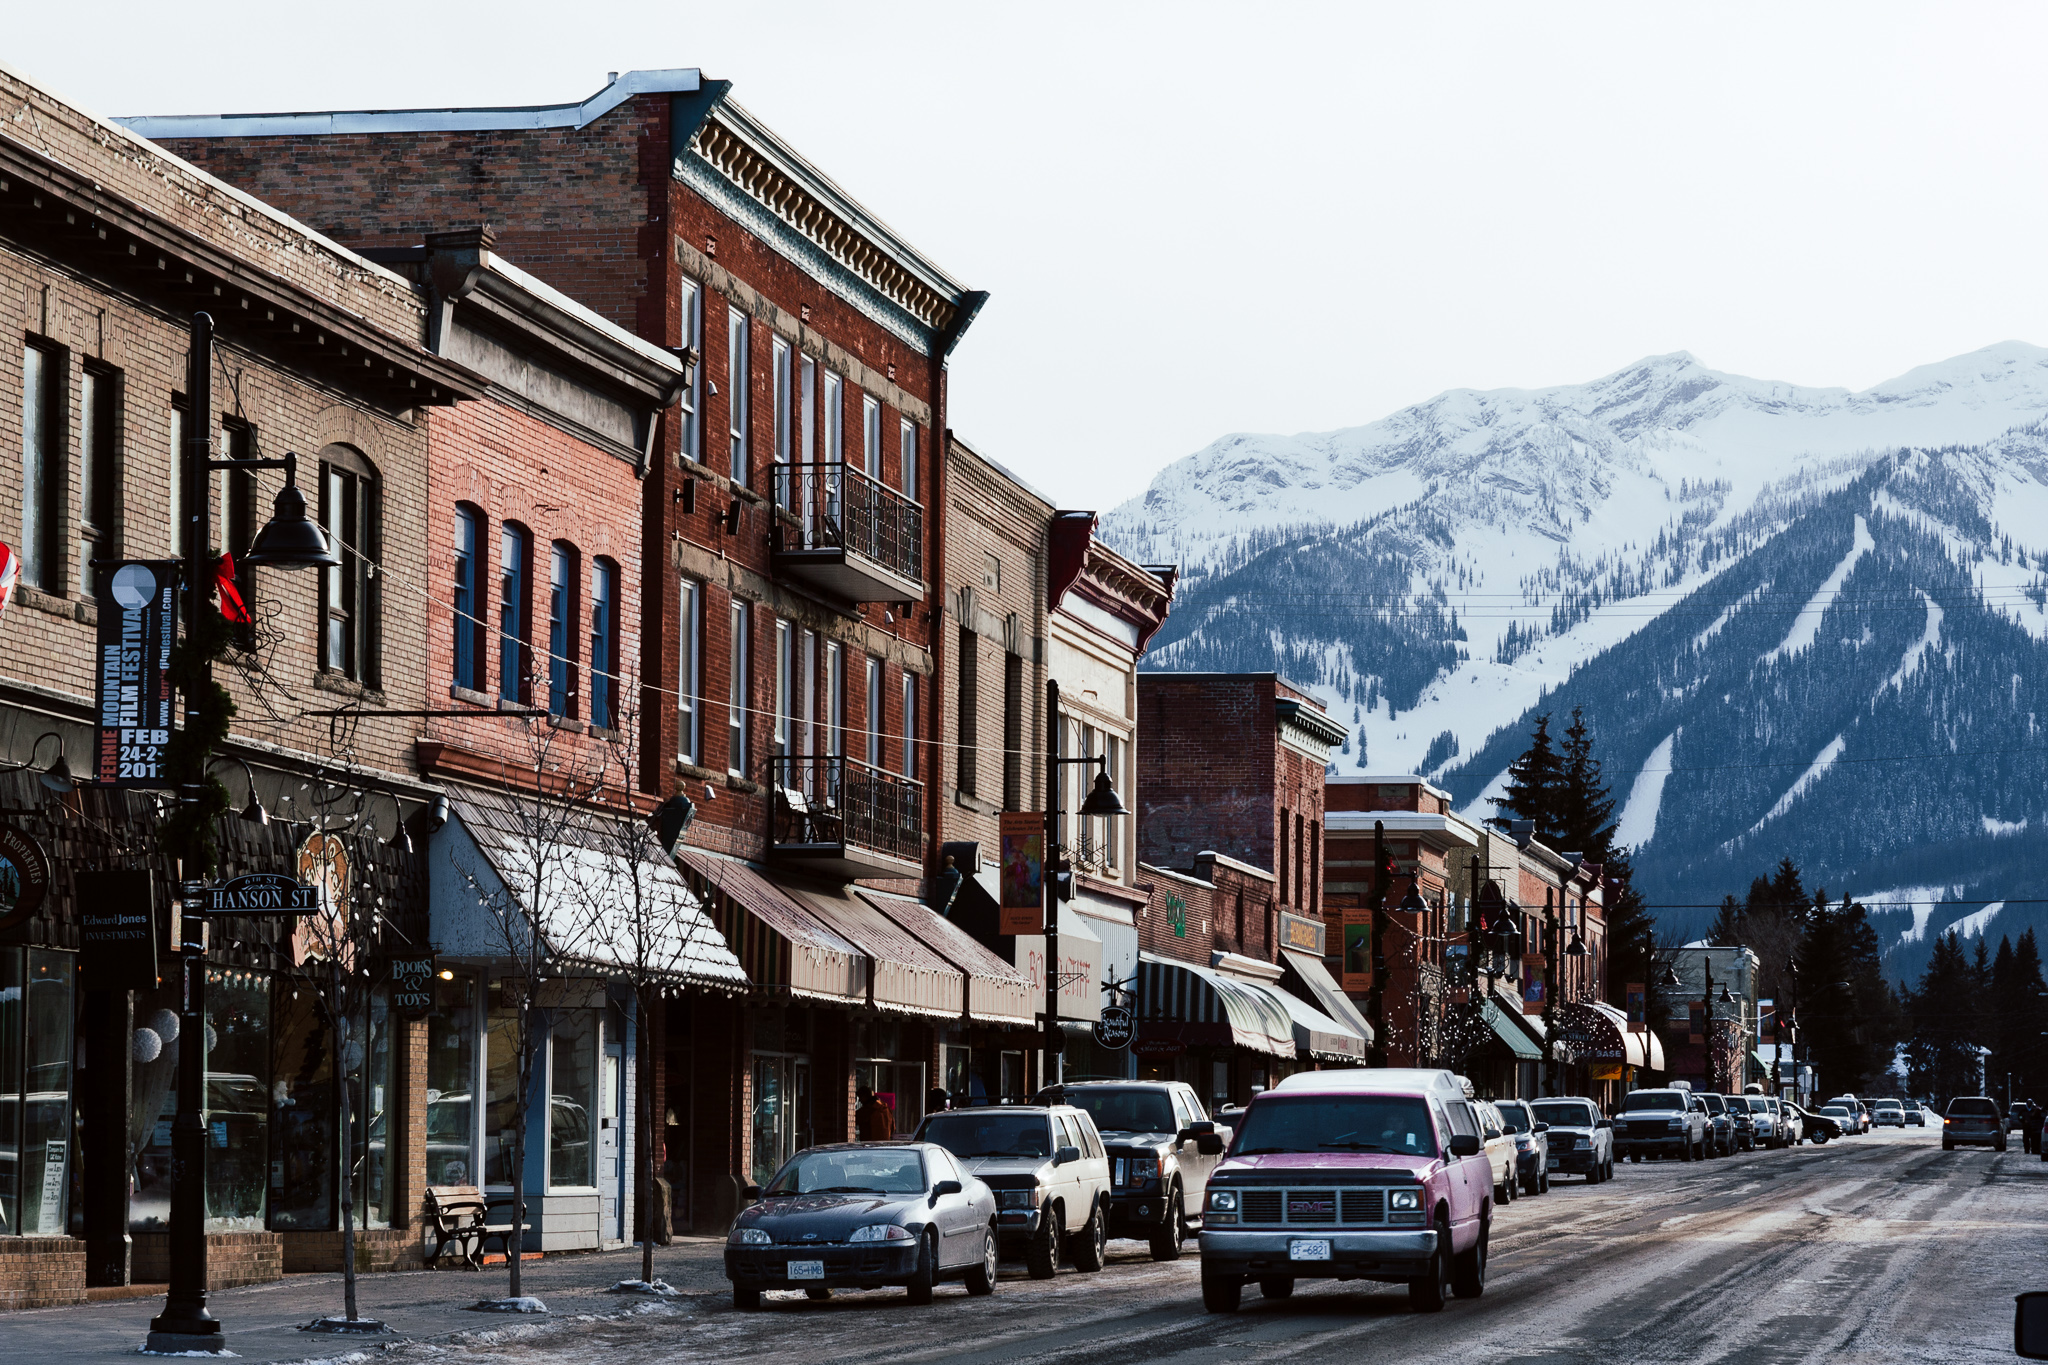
x=1874 y=1248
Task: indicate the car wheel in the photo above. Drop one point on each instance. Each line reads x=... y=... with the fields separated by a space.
x=1428 y=1293
x=746 y=1300
x=981 y=1279
x=1468 y=1270
x=1092 y=1250
x=1504 y=1193
x=1221 y=1293
x=1529 y=1183
x=1042 y=1259
x=1543 y=1181
x=927 y=1272
x=1167 y=1237
x=817 y=1293
x=1947 y=1146
x=2000 y=1147
x=1277 y=1287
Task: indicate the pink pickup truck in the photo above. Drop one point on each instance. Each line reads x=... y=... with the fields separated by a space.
x=1373 y=1174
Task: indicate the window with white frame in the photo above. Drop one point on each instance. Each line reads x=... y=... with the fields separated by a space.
x=907 y=440
x=835 y=418
x=807 y=696
x=691 y=404
x=98 y=473
x=1114 y=747
x=689 y=673
x=736 y=698
x=807 y=380
x=909 y=723
x=785 y=419
x=42 y=467
x=835 y=698
x=785 y=686
x=874 y=701
x=736 y=330
x=871 y=436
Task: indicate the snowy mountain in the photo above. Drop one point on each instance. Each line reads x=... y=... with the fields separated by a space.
x=1802 y=620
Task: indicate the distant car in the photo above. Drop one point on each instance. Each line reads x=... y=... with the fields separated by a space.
x=1791 y=1124
x=1532 y=1144
x=1050 y=1173
x=1763 y=1120
x=862 y=1215
x=1972 y=1120
x=1662 y=1123
x=1916 y=1115
x=1887 y=1112
x=1581 y=1140
x=1818 y=1128
x=1859 y=1113
x=1161 y=1149
x=1500 y=1151
x=1744 y=1122
x=1844 y=1118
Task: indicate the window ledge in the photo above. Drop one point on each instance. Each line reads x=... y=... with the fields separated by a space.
x=56 y=604
x=734 y=782
x=569 y=723
x=601 y=732
x=969 y=801
x=685 y=768
x=474 y=698
x=328 y=680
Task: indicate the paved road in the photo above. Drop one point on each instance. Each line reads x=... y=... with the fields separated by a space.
x=1875 y=1248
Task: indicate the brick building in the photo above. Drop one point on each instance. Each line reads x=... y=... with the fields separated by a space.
x=795 y=507
x=108 y=248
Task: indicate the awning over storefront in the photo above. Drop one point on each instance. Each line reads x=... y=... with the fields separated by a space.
x=1203 y=1007
x=1592 y=1037
x=597 y=891
x=997 y=993
x=780 y=944
x=1511 y=1033
x=1639 y=1048
x=904 y=975
x=1308 y=977
x=1316 y=1034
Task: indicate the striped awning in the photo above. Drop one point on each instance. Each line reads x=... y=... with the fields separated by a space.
x=1211 y=1008
x=781 y=945
x=906 y=976
x=997 y=992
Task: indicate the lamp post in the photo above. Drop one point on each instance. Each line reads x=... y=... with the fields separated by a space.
x=290 y=540
x=1102 y=801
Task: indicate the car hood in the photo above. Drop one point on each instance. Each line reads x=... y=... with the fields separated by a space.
x=1326 y=1164
x=1114 y=1138
x=827 y=1217
x=1019 y=1169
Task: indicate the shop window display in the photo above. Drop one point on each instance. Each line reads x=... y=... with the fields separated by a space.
x=368 y=1109
x=572 y=1044
x=237 y=1100
x=501 y=1088
x=302 y=1188
x=35 y=1089
x=451 y=1083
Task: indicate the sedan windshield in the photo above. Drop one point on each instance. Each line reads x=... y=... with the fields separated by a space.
x=1565 y=1115
x=1653 y=1099
x=1396 y=1124
x=856 y=1170
x=1513 y=1118
x=971 y=1133
x=1126 y=1111
x=1834 y=1111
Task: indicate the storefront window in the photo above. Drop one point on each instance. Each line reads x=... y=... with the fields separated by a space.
x=369 y=1110
x=35 y=1089
x=302 y=1137
x=501 y=1089
x=152 y=1104
x=572 y=1095
x=237 y=1100
x=782 y=1105
x=451 y=1083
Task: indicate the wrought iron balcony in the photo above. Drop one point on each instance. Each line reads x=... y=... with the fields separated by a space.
x=853 y=536
x=839 y=816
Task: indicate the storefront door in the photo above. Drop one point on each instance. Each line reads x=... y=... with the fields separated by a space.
x=782 y=1110
x=612 y=1092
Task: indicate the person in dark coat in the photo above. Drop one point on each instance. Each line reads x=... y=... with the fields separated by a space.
x=873 y=1121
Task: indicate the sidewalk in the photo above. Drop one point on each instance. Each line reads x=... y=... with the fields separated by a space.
x=261 y=1322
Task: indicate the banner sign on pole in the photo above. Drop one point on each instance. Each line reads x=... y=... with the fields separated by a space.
x=116 y=931
x=1023 y=873
x=1638 y=1008
x=137 y=622
x=1767 y=1022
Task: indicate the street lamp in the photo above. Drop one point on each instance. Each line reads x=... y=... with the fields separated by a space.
x=290 y=540
x=1102 y=802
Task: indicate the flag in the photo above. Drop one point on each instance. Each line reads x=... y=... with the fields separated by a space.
x=230 y=595
x=10 y=571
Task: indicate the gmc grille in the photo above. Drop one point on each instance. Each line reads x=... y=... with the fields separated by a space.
x=1316 y=1207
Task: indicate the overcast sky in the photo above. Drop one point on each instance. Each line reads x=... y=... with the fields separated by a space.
x=1196 y=219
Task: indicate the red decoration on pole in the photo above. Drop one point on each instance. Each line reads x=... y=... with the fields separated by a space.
x=230 y=595
x=10 y=573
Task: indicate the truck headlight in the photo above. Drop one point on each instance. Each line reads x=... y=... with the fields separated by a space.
x=1675 y=1125
x=1144 y=1168
x=1017 y=1199
x=750 y=1237
x=1405 y=1199
x=1223 y=1201
x=882 y=1232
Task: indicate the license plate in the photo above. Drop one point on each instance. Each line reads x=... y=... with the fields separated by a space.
x=807 y=1270
x=1308 y=1250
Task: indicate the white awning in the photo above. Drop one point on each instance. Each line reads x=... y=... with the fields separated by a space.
x=1316 y=984
x=594 y=887
x=1211 y=1008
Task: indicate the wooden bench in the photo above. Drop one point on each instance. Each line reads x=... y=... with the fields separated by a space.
x=462 y=1215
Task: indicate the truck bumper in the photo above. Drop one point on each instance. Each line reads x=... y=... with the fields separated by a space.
x=1353 y=1255
x=1136 y=1215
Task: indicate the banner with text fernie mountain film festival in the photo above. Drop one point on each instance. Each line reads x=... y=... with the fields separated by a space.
x=1023 y=873
x=138 y=620
x=1638 y=1008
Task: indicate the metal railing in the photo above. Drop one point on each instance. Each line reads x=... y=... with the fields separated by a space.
x=825 y=799
x=838 y=507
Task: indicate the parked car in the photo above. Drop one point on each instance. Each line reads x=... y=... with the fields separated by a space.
x=1818 y=1128
x=861 y=1215
x=1581 y=1138
x=1916 y=1115
x=1375 y=1174
x=1844 y=1119
x=1720 y=1124
x=1661 y=1123
x=1884 y=1112
x=1763 y=1124
x=1532 y=1144
x=1791 y=1122
x=1973 y=1120
x=1161 y=1149
x=1859 y=1115
x=2015 y=1116
x=1744 y=1123
x=1050 y=1173
x=1500 y=1150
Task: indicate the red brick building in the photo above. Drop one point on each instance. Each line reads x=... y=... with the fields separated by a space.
x=790 y=526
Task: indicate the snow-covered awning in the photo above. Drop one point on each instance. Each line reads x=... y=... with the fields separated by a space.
x=594 y=886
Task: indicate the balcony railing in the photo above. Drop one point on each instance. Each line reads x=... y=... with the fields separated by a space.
x=852 y=534
x=845 y=816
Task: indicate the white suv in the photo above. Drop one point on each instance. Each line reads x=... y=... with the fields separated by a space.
x=1049 y=1173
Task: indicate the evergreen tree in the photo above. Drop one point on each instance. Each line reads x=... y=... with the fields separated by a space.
x=1727 y=929
x=1535 y=786
x=1631 y=938
x=1585 y=809
x=1941 y=1057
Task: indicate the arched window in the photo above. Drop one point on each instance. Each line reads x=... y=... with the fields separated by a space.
x=563 y=564
x=471 y=645
x=349 y=605
x=604 y=643
x=515 y=556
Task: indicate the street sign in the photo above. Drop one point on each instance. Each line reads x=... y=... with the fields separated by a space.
x=261 y=893
x=1114 y=1028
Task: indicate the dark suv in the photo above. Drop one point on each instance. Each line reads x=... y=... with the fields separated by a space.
x=1975 y=1120
x=1161 y=1148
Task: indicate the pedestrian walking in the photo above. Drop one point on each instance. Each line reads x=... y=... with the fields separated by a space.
x=937 y=1100
x=873 y=1121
